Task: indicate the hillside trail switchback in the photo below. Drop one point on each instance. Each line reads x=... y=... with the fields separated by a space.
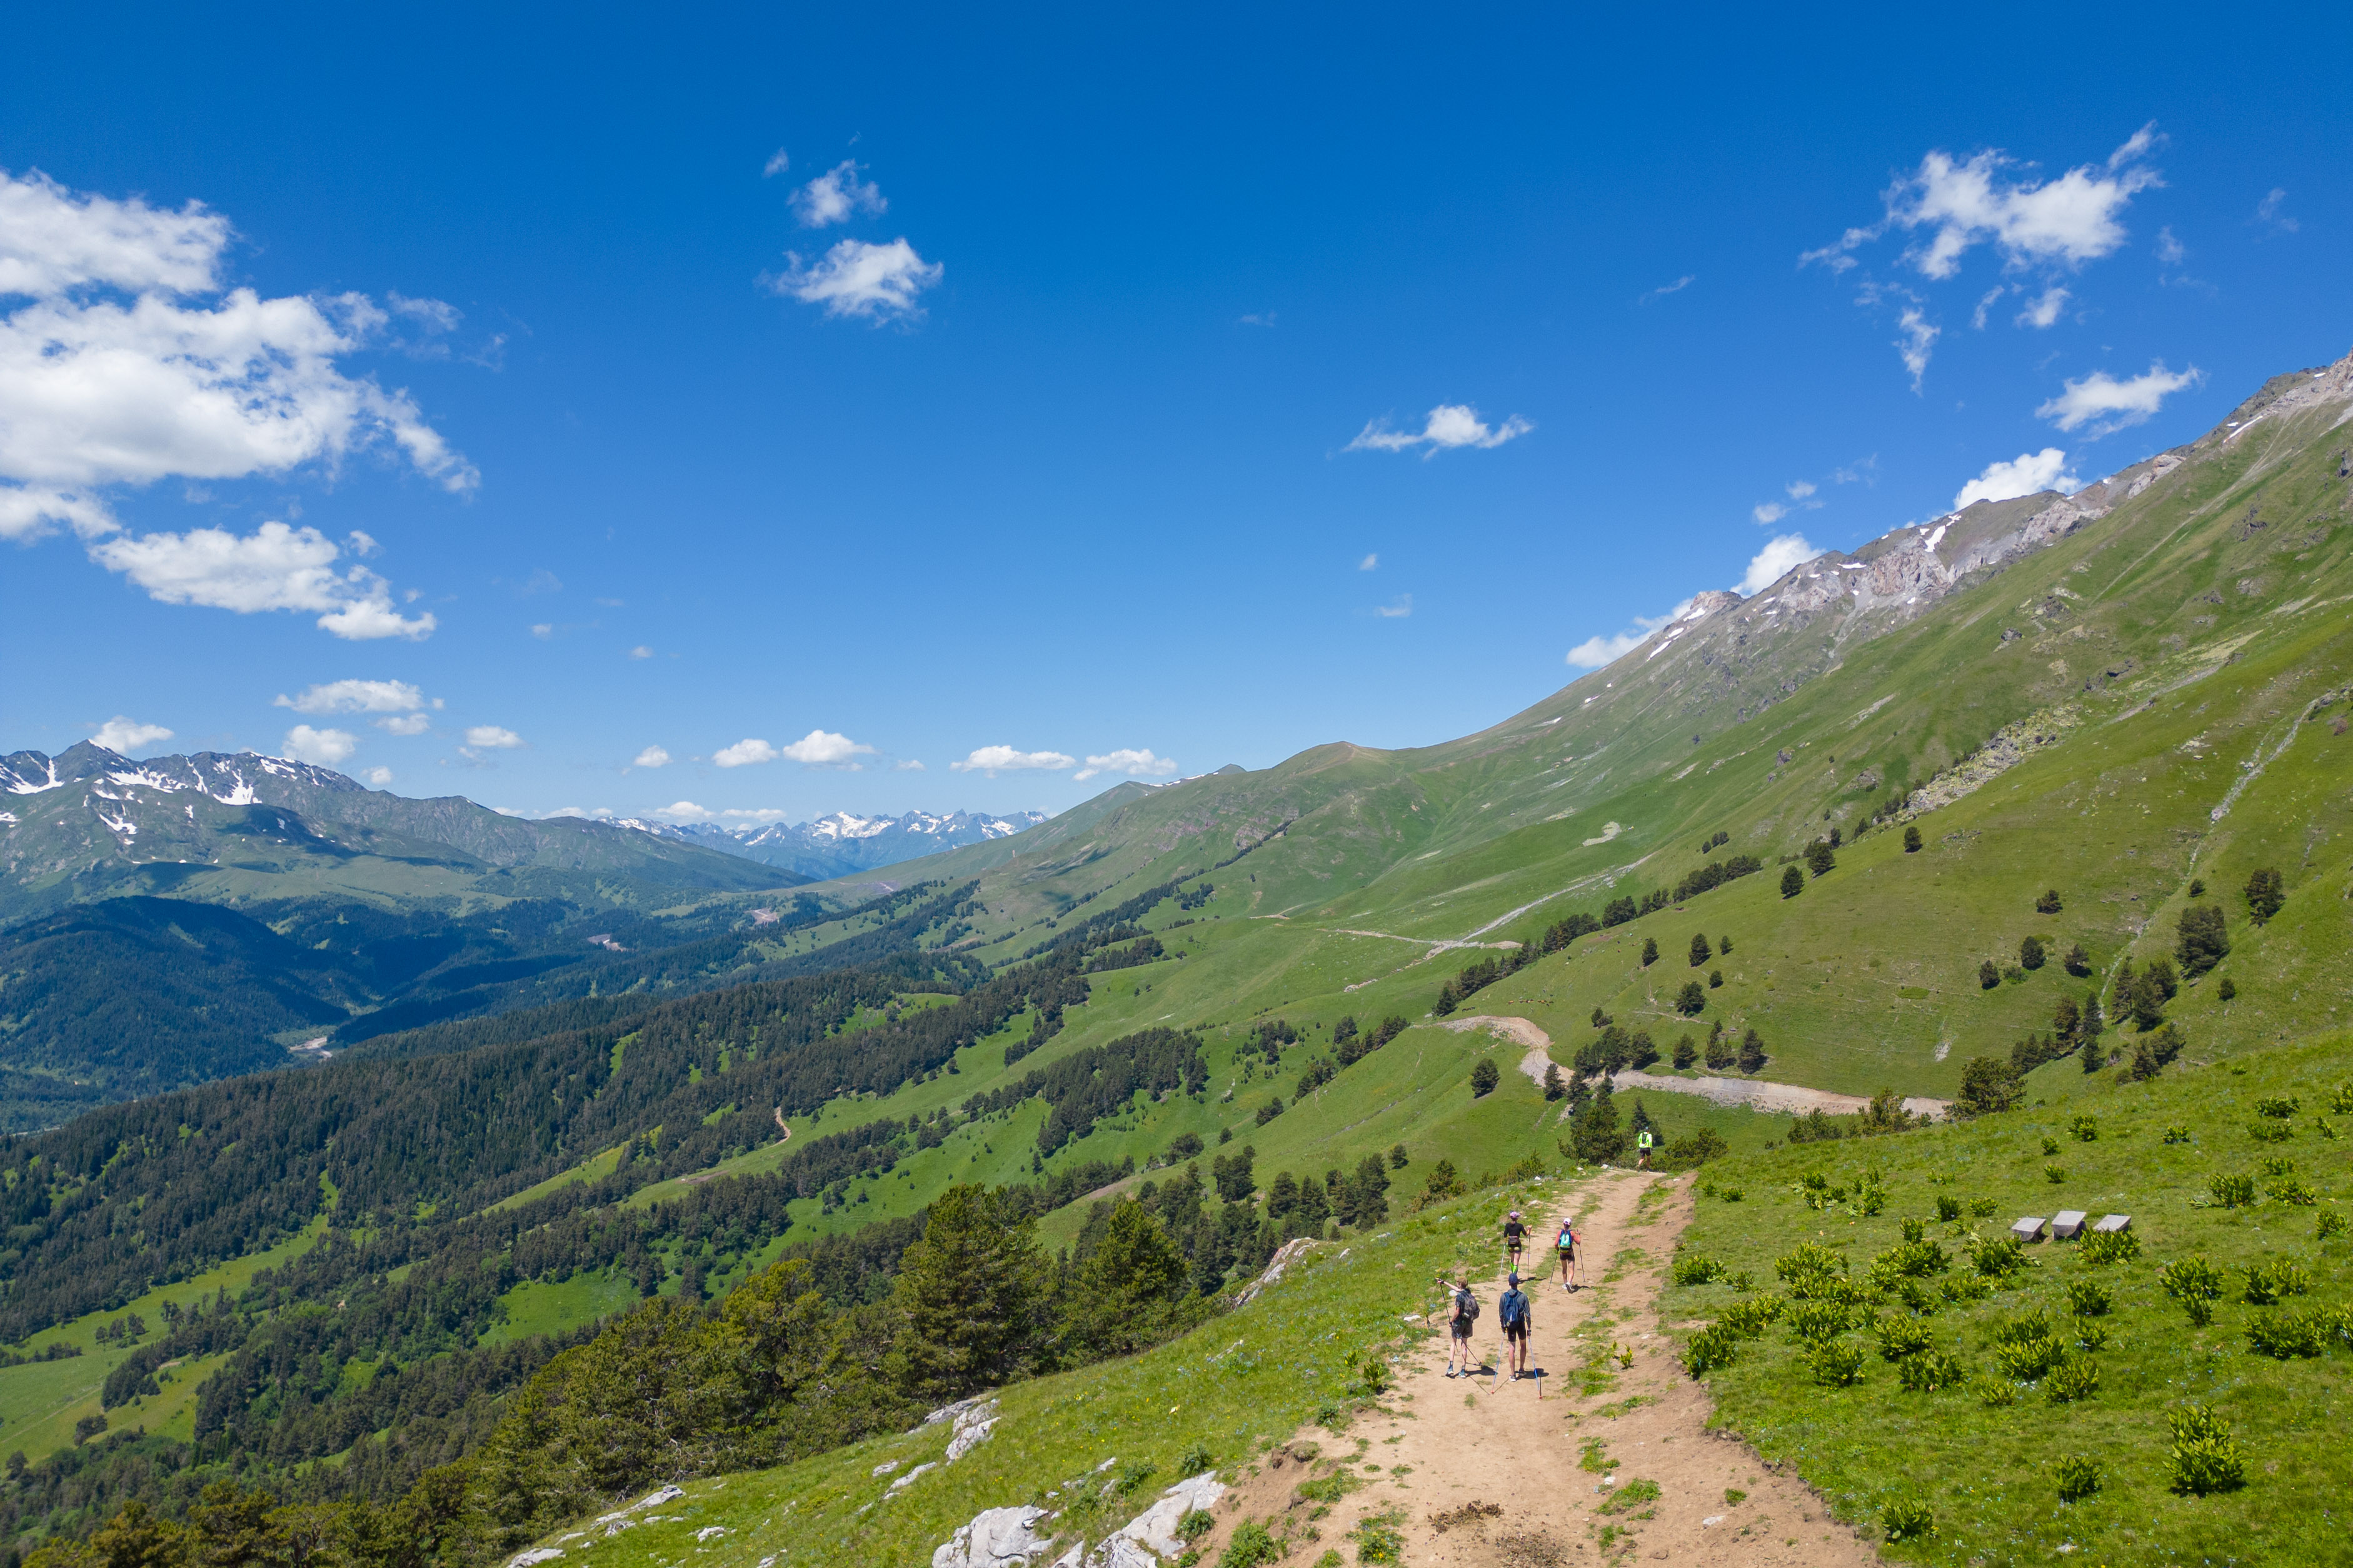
x=1480 y=1472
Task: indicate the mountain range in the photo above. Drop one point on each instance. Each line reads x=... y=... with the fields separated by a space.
x=840 y=844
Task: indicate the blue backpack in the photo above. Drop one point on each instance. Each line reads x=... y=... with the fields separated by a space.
x=1513 y=1309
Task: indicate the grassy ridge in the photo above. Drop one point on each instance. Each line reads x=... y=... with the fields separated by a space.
x=1989 y=1473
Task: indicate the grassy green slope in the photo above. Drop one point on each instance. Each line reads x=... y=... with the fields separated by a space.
x=1987 y=1472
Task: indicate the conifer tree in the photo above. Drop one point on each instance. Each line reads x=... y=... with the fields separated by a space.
x=1650 y=951
x=2226 y=990
x=1793 y=882
x=2147 y=1002
x=1699 y=952
x=1752 y=1052
x=1724 y=945
x=1553 y=1088
x=2065 y=1017
x=970 y=1298
x=1595 y=1136
x=1127 y=1293
x=2030 y=953
x=1692 y=999
x=1714 y=978
x=1988 y=975
x=1484 y=1078
x=2266 y=895
x=1686 y=1053
x=1641 y=1122
x=1910 y=839
x=2203 y=940
x=2077 y=962
x=2047 y=904
x=1819 y=857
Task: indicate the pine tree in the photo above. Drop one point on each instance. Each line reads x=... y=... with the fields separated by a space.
x=2077 y=962
x=2047 y=904
x=970 y=1298
x=1595 y=1136
x=1819 y=857
x=1724 y=946
x=1793 y=882
x=1398 y=1158
x=2147 y=1002
x=2065 y=1017
x=1686 y=1053
x=2226 y=990
x=2266 y=895
x=1484 y=1078
x=2091 y=1024
x=1720 y=1052
x=1910 y=839
x=1715 y=979
x=2203 y=940
x=2095 y=1056
x=1691 y=999
x=1127 y=1294
x=1988 y=975
x=1699 y=952
x=1650 y=951
x=1752 y=1052
x=1553 y=1088
x=1641 y=1122
x=2030 y=953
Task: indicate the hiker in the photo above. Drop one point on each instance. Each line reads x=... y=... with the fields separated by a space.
x=1515 y=1234
x=1565 y=1244
x=1642 y=1148
x=1462 y=1313
x=1512 y=1311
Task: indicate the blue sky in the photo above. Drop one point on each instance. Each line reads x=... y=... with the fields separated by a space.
x=1058 y=398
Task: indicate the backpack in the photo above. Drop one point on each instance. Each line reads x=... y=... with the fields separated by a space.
x=1515 y=1309
x=1466 y=1306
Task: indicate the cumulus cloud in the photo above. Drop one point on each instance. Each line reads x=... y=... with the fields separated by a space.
x=744 y=753
x=2116 y=404
x=834 y=195
x=994 y=759
x=126 y=736
x=405 y=724
x=1769 y=513
x=1770 y=564
x=2043 y=310
x=327 y=748
x=492 y=738
x=651 y=757
x=1798 y=490
x=355 y=697
x=778 y=161
x=1368 y=563
x=1955 y=204
x=683 y=813
x=641 y=651
x=873 y=282
x=822 y=748
x=909 y=766
x=129 y=362
x=376 y=778
x=274 y=568
x=1596 y=651
x=2023 y=475
x=1134 y=764
x=1449 y=426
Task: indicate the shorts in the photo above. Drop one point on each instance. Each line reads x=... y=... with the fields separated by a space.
x=1568 y=1254
x=1517 y=1331
x=1461 y=1330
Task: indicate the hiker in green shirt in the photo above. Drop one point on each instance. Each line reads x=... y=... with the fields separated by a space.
x=1642 y=1150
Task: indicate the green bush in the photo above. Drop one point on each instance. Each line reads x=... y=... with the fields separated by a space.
x=1809 y=1259
x=1914 y=1259
x=2109 y=1246
x=2030 y=1353
x=1633 y=1495
x=1907 y=1518
x=2267 y=1283
x=1812 y=1322
x=2204 y=1457
x=2087 y=1297
x=2271 y=1132
x=1197 y=1523
x=1747 y=1320
x=2233 y=1190
x=2293 y=1189
x=2091 y=1334
x=1983 y=1208
x=2278 y=1107
x=1196 y=1459
x=1252 y=1547
x=2076 y=1377
x=1697 y=1270
x=1996 y=1394
x=1947 y=1209
x=2177 y=1134
x=1998 y=1257
x=1903 y=1337
x=1710 y=1348
x=1929 y=1372
x=1966 y=1288
x=2287 y=1335
x=1836 y=1364
x=2328 y=1225
x=2054 y=1174
x=2190 y=1279
x=2078 y=1476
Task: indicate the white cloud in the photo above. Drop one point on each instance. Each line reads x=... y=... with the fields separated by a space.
x=544 y=630
x=1677 y=287
x=1978 y=316
x=651 y=757
x=1914 y=345
x=128 y=364
x=1798 y=490
x=376 y=778
x=327 y=748
x=822 y=748
x=1596 y=651
x=1770 y=564
x=778 y=161
x=490 y=738
x=407 y=724
x=1449 y=425
x=1961 y=204
x=2101 y=396
x=994 y=759
x=2170 y=252
x=1134 y=764
x=2023 y=475
x=1396 y=611
x=274 y=568
x=121 y=735
x=1258 y=319
x=2043 y=310
x=833 y=195
x=1368 y=563
x=641 y=651
x=909 y=766
x=682 y=812
x=874 y=282
x=745 y=753
x=355 y=697
x=2268 y=211
x=1769 y=513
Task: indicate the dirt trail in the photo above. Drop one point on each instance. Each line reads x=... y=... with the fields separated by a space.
x=1438 y=1446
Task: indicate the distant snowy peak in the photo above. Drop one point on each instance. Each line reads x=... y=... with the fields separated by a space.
x=842 y=841
x=229 y=779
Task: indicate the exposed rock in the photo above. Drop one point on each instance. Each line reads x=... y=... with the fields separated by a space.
x=1155 y=1529
x=973 y=1426
x=997 y=1537
x=903 y=1480
x=1289 y=1253
x=539 y=1554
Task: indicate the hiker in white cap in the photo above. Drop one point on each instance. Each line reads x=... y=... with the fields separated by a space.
x=1516 y=1236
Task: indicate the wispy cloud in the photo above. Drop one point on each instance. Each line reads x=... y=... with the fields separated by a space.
x=2113 y=404
x=833 y=196
x=2023 y=475
x=778 y=163
x=128 y=735
x=405 y=724
x=994 y=759
x=1395 y=609
x=1257 y=319
x=1368 y=563
x=1134 y=763
x=2272 y=212
x=355 y=697
x=1918 y=338
x=872 y=282
x=2043 y=310
x=1447 y=427
x=1677 y=287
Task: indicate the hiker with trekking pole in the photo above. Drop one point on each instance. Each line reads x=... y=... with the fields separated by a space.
x=1565 y=1244
x=1462 y=1311
x=1515 y=1234
x=1512 y=1312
